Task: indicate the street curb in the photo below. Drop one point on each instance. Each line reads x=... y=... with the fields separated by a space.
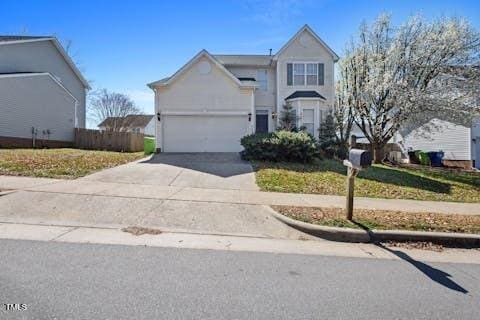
x=364 y=236
x=5 y=192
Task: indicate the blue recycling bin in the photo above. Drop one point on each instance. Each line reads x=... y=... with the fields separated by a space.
x=436 y=158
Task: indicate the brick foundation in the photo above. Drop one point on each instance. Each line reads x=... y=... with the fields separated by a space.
x=13 y=142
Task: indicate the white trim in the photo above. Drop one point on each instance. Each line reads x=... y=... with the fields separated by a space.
x=5 y=42
x=307 y=28
x=253 y=119
x=60 y=49
x=189 y=64
x=305 y=99
x=277 y=102
x=304 y=62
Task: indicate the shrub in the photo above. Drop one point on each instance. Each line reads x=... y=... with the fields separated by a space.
x=288 y=118
x=280 y=146
x=328 y=143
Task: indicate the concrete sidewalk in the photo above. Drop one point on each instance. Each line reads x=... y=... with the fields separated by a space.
x=246 y=197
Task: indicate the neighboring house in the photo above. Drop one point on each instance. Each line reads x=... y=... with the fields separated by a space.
x=42 y=93
x=131 y=123
x=460 y=142
x=210 y=103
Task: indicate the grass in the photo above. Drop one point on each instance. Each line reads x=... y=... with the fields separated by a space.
x=384 y=220
x=378 y=181
x=60 y=163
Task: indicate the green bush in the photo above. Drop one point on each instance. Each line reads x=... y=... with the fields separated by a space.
x=328 y=144
x=280 y=146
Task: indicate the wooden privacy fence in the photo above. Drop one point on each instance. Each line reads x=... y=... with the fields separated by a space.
x=108 y=140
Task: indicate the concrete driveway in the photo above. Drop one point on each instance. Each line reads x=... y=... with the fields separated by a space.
x=196 y=170
x=167 y=191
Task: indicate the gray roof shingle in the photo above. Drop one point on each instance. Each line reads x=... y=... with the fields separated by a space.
x=305 y=94
x=244 y=59
x=7 y=38
x=130 y=121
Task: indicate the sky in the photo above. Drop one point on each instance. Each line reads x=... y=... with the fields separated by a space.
x=123 y=45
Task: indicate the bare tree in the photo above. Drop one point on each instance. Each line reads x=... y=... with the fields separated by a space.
x=113 y=106
x=393 y=74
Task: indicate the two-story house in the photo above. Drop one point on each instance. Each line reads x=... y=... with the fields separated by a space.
x=210 y=103
x=42 y=93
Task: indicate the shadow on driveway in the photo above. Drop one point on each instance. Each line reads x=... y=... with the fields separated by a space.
x=219 y=164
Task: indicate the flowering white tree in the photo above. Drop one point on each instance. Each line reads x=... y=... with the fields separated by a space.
x=343 y=111
x=393 y=74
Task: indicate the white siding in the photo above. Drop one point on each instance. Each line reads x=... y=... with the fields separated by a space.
x=308 y=50
x=39 y=102
x=454 y=140
x=262 y=98
x=43 y=56
x=193 y=91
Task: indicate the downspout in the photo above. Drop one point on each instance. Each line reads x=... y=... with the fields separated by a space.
x=34 y=137
x=158 y=146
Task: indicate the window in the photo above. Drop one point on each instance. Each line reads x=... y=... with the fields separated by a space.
x=262 y=80
x=312 y=74
x=300 y=74
x=308 y=121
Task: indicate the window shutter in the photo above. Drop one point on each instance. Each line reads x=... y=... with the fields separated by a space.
x=321 y=73
x=289 y=74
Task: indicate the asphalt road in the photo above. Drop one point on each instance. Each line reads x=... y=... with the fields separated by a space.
x=79 y=281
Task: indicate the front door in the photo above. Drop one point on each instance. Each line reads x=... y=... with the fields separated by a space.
x=261 y=121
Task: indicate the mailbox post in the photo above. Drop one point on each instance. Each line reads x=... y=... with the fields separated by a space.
x=357 y=160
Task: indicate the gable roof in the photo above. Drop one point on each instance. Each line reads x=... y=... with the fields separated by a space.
x=309 y=30
x=305 y=94
x=15 y=39
x=189 y=64
x=129 y=121
x=244 y=59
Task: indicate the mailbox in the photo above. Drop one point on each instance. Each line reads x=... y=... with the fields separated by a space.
x=360 y=158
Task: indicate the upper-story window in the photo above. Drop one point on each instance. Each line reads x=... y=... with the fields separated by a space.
x=301 y=74
x=262 y=79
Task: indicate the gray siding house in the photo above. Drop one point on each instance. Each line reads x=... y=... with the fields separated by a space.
x=42 y=93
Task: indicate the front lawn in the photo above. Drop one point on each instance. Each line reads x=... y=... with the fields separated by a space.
x=379 y=181
x=60 y=163
x=384 y=220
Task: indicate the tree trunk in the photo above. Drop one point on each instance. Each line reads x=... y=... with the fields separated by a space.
x=378 y=153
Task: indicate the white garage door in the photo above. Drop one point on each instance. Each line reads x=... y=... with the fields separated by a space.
x=204 y=133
